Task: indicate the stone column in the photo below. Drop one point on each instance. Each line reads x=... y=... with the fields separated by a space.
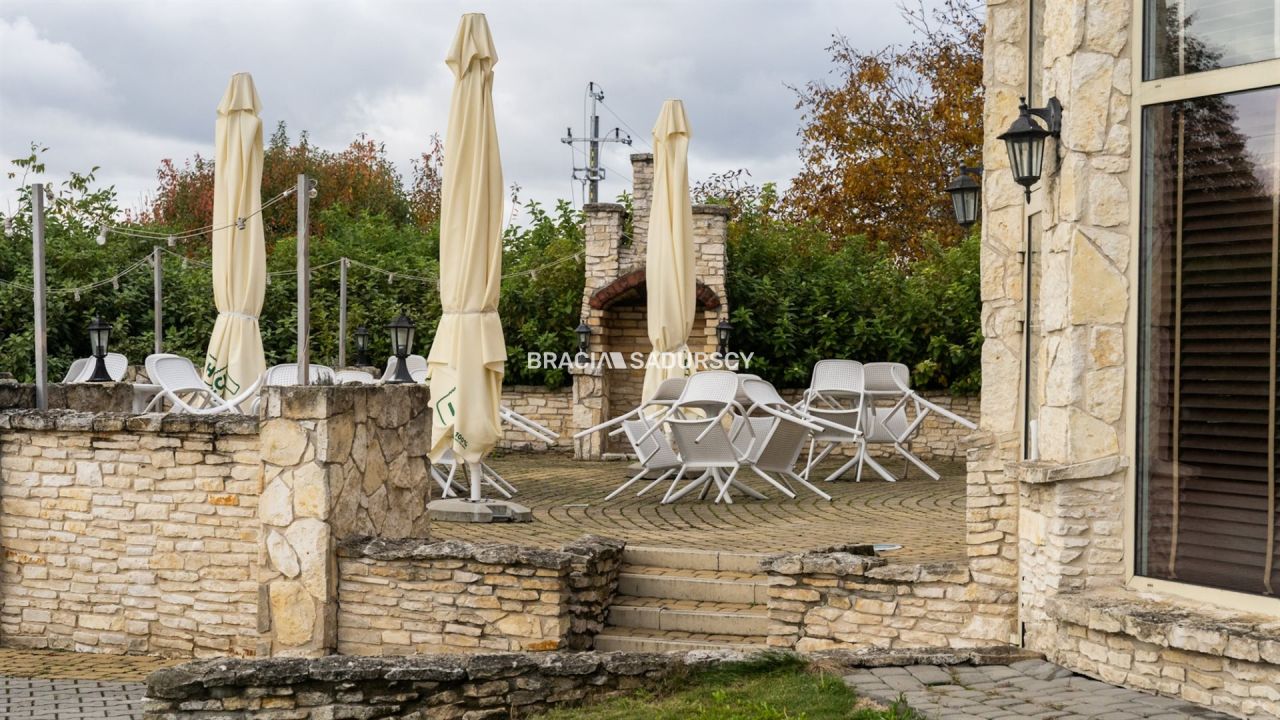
x=641 y=201
x=336 y=462
x=590 y=408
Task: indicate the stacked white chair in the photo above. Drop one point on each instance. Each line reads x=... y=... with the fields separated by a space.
x=696 y=422
x=354 y=376
x=417 y=365
x=82 y=368
x=286 y=374
x=781 y=432
x=187 y=392
x=835 y=396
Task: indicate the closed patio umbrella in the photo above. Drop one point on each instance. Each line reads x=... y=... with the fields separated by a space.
x=235 y=359
x=669 y=263
x=468 y=352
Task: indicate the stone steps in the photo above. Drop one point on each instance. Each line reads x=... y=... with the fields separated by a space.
x=675 y=599
x=644 y=640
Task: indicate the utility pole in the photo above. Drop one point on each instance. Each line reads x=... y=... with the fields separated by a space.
x=593 y=173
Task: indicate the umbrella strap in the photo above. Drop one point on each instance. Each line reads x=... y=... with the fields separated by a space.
x=468 y=312
x=242 y=316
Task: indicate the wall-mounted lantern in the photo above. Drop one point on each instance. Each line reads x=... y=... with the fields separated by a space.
x=1025 y=140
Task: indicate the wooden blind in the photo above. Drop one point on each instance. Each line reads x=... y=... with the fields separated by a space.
x=1209 y=394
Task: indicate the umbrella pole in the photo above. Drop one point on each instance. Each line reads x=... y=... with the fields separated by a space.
x=475 y=470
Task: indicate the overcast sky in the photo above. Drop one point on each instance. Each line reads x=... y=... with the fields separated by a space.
x=125 y=83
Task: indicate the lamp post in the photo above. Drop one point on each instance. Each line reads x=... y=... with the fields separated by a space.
x=401 y=342
x=965 y=194
x=723 y=330
x=584 y=340
x=362 y=346
x=1025 y=140
x=99 y=336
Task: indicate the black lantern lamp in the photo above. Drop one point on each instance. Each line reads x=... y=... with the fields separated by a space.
x=362 y=346
x=1025 y=141
x=723 y=330
x=584 y=340
x=965 y=194
x=99 y=336
x=401 y=343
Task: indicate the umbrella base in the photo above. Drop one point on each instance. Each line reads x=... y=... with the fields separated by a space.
x=485 y=511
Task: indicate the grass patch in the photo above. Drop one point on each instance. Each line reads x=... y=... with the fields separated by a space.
x=780 y=687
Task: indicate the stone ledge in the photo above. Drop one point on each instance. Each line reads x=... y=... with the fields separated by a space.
x=426 y=549
x=1042 y=472
x=591 y=546
x=708 y=209
x=195 y=679
x=603 y=208
x=77 y=421
x=1207 y=630
x=877 y=657
x=837 y=560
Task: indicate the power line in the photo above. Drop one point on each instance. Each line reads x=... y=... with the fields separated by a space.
x=592 y=173
x=635 y=133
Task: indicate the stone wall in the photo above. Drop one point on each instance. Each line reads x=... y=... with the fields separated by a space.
x=85 y=397
x=1227 y=661
x=458 y=686
x=129 y=534
x=336 y=461
x=419 y=596
x=847 y=597
x=550 y=407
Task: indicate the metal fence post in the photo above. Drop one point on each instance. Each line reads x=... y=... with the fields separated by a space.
x=157 y=308
x=304 y=283
x=38 y=287
x=342 y=313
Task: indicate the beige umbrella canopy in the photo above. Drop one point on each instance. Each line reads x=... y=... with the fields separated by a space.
x=669 y=270
x=235 y=359
x=468 y=352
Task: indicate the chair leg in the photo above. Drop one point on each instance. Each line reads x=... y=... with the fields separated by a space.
x=724 y=488
x=656 y=480
x=695 y=484
x=674 y=481
x=809 y=485
x=843 y=469
x=888 y=476
x=769 y=479
x=629 y=483
x=911 y=458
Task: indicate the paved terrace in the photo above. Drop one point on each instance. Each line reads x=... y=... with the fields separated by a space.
x=925 y=516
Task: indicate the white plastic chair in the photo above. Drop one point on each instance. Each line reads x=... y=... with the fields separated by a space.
x=654 y=452
x=416 y=364
x=663 y=398
x=896 y=425
x=183 y=387
x=287 y=374
x=836 y=398
x=781 y=433
x=82 y=369
x=449 y=481
x=357 y=376
x=703 y=442
x=76 y=369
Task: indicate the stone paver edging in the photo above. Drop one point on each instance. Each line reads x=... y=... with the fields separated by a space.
x=1024 y=689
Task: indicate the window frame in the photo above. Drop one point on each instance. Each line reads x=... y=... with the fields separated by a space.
x=1222 y=81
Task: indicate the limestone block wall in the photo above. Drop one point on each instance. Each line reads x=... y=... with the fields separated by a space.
x=550 y=407
x=129 y=534
x=417 y=596
x=1227 y=661
x=336 y=461
x=849 y=598
x=85 y=397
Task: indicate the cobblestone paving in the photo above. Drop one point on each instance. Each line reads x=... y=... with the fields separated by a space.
x=567 y=498
x=1028 y=689
x=40 y=684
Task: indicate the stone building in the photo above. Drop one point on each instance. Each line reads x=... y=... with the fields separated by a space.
x=1126 y=478
x=613 y=300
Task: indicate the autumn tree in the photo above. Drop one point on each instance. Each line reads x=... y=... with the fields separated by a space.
x=881 y=142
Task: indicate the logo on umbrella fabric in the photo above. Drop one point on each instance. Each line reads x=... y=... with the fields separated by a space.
x=219 y=378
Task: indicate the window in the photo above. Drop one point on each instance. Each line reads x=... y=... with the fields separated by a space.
x=1191 y=36
x=1210 y=245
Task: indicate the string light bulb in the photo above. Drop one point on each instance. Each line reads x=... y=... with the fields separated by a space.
x=102 y=236
x=115 y=283
x=8 y=226
x=239 y=223
x=77 y=294
x=391 y=277
x=171 y=241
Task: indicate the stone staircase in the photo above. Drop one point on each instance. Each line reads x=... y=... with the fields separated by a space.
x=672 y=599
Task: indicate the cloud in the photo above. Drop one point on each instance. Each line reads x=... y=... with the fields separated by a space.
x=125 y=83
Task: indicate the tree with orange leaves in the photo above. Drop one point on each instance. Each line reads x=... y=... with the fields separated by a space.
x=881 y=143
